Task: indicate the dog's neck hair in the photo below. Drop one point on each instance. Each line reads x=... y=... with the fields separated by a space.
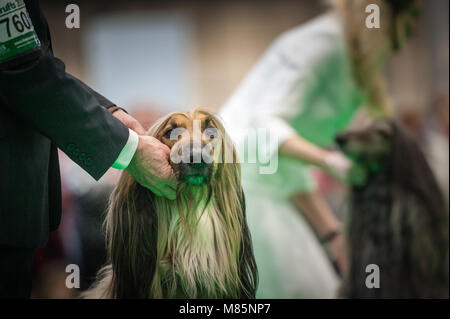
x=389 y=225
x=379 y=180
x=197 y=246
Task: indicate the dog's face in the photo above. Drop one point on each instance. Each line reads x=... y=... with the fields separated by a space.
x=368 y=148
x=197 y=245
x=367 y=144
x=195 y=140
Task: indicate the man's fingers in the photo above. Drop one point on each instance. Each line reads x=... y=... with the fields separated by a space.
x=129 y=121
x=138 y=128
x=166 y=150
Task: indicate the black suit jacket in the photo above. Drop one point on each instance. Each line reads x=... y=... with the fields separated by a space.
x=42 y=108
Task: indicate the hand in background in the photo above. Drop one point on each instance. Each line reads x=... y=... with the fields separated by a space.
x=150 y=167
x=332 y=161
x=337 y=164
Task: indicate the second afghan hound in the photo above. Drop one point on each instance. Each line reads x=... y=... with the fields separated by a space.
x=398 y=218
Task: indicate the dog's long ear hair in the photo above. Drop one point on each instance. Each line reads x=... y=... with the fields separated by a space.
x=131 y=228
x=229 y=195
x=131 y=236
x=425 y=226
x=416 y=176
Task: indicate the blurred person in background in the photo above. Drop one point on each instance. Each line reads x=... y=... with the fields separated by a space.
x=305 y=88
x=42 y=108
x=430 y=129
x=437 y=143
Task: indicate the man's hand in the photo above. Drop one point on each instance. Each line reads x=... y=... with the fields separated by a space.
x=150 y=167
x=129 y=121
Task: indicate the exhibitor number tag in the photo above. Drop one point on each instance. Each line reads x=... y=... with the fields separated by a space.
x=16 y=30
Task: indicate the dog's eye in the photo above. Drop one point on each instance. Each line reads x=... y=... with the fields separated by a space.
x=211 y=133
x=168 y=133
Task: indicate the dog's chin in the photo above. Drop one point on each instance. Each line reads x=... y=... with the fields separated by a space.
x=197 y=187
x=195 y=176
x=196 y=180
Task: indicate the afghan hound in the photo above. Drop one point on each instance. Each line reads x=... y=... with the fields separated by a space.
x=197 y=246
x=397 y=218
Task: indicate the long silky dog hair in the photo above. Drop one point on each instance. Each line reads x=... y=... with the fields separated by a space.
x=197 y=246
x=397 y=219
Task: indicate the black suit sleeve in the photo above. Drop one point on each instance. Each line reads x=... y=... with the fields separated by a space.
x=103 y=101
x=63 y=108
x=66 y=111
x=43 y=32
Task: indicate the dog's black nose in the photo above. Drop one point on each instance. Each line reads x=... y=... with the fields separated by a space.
x=196 y=159
x=340 y=139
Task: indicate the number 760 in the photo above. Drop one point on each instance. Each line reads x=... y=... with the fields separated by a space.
x=20 y=22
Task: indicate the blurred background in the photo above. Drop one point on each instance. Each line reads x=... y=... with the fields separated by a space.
x=153 y=57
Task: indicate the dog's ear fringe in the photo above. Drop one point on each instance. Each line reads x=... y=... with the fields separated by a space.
x=248 y=271
x=417 y=176
x=131 y=238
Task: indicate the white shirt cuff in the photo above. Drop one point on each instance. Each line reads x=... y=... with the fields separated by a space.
x=127 y=152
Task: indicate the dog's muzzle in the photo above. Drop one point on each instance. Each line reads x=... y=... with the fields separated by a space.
x=196 y=167
x=341 y=139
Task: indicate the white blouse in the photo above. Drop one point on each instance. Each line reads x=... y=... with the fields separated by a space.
x=302 y=85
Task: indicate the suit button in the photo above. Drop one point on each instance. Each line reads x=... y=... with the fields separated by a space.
x=88 y=161
x=71 y=147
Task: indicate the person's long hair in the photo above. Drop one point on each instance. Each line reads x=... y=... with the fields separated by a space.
x=369 y=48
